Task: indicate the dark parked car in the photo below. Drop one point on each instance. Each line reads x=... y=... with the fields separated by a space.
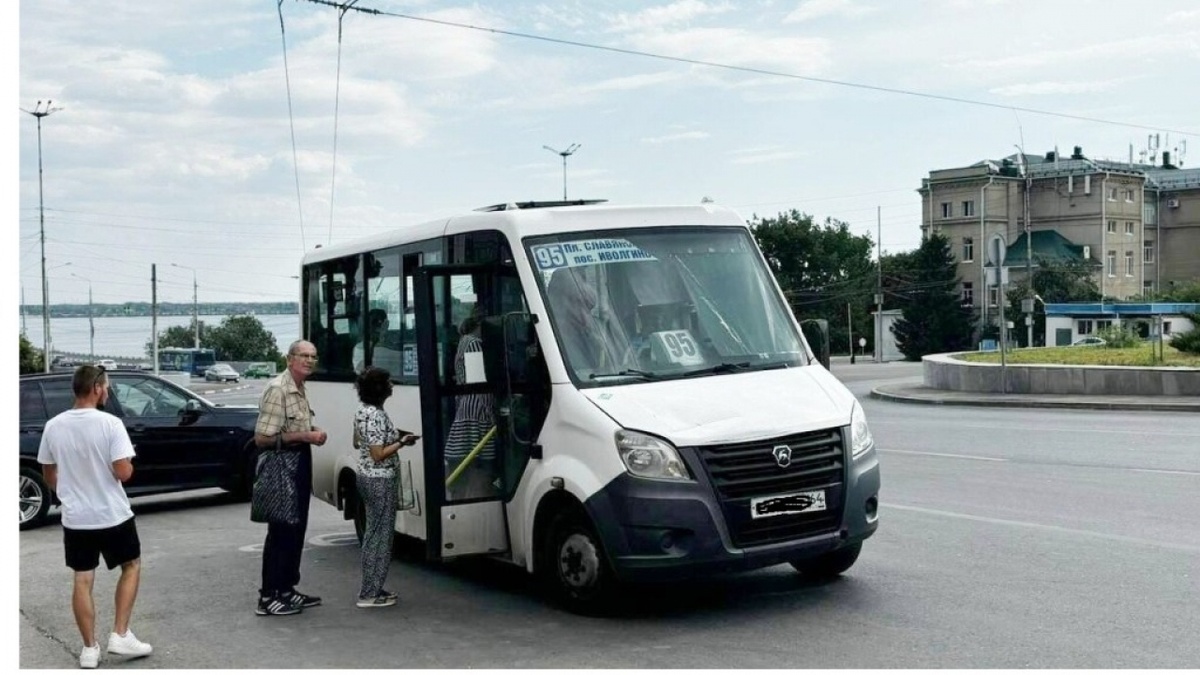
x=183 y=441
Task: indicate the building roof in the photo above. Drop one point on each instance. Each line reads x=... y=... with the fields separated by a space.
x=1047 y=245
x=1121 y=308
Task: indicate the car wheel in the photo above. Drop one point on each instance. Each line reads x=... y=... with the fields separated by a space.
x=575 y=568
x=35 y=498
x=828 y=565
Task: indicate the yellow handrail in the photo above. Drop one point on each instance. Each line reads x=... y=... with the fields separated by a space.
x=470 y=457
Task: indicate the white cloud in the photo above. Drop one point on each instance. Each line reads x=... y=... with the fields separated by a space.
x=674 y=138
x=1046 y=88
x=739 y=47
x=764 y=154
x=816 y=9
x=675 y=13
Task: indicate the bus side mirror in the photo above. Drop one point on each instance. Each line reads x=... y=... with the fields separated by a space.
x=816 y=332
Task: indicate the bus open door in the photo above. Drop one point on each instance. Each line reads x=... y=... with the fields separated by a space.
x=478 y=409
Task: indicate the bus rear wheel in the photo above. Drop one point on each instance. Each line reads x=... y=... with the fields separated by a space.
x=575 y=569
x=828 y=565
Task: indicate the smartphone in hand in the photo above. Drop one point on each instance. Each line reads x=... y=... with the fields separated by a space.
x=409 y=439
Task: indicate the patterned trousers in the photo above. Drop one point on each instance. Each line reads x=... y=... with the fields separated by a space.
x=379 y=497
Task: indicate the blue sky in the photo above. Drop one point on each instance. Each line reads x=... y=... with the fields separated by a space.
x=175 y=146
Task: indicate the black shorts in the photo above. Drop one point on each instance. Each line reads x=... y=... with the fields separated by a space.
x=118 y=544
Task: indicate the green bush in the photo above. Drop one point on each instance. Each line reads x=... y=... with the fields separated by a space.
x=1188 y=342
x=1119 y=336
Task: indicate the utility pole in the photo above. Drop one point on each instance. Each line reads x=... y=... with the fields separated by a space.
x=1027 y=303
x=195 y=306
x=154 y=315
x=39 y=112
x=23 y=331
x=879 y=286
x=91 y=319
x=850 y=332
x=564 y=153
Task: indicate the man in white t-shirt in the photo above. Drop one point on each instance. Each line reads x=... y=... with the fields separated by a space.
x=85 y=455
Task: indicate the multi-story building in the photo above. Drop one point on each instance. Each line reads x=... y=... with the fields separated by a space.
x=1137 y=224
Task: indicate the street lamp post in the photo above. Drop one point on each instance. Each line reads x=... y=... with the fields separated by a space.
x=195 y=306
x=564 y=153
x=91 y=319
x=39 y=112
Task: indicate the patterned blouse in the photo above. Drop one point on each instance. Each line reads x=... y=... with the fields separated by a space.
x=374 y=427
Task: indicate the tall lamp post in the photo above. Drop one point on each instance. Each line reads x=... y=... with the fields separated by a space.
x=91 y=319
x=49 y=344
x=39 y=112
x=195 y=307
x=565 y=154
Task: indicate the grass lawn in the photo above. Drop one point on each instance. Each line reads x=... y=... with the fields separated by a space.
x=1142 y=355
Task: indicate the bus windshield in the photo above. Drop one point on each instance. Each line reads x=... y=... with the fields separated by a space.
x=636 y=305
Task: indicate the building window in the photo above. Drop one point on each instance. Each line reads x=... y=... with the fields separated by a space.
x=1085 y=326
x=1112 y=194
x=968 y=251
x=1128 y=263
x=1148 y=252
x=1087 y=184
x=1112 y=227
x=1070 y=184
x=993 y=296
x=1111 y=266
x=969 y=208
x=1148 y=288
x=968 y=293
x=1129 y=227
x=1166 y=327
x=946 y=212
x=1129 y=195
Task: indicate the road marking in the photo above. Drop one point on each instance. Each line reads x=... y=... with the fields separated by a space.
x=1190 y=548
x=944 y=454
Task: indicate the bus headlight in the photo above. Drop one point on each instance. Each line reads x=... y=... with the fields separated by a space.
x=860 y=434
x=650 y=457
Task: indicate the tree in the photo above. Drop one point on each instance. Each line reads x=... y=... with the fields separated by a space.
x=32 y=359
x=242 y=338
x=935 y=319
x=821 y=269
x=179 y=336
x=1053 y=281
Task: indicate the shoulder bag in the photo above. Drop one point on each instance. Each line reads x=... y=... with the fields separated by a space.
x=276 y=497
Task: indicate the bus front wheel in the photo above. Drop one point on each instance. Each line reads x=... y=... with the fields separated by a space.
x=576 y=570
x=828 y=565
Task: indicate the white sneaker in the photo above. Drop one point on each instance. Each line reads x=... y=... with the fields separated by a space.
x=90 y=656
x=128 y=645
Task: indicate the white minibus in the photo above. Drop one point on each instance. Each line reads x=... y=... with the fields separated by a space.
x=603 y=394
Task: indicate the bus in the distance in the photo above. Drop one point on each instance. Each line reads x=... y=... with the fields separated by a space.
x=637 y=402
x=189 y=360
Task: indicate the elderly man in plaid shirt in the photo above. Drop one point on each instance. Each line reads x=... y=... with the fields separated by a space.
x=283 y=412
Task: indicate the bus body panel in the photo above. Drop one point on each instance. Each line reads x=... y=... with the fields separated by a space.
x=650 y=528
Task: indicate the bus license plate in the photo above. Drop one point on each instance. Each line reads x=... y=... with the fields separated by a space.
x=782 y=505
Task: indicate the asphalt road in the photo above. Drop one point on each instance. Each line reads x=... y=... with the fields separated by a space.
x=1009 y=539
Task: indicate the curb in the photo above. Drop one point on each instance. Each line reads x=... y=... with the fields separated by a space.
x=993 y=402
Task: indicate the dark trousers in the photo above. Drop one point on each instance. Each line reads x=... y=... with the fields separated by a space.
x=284 y=544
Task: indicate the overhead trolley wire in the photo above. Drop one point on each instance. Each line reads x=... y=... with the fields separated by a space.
x=292 y=125
x=744 y=69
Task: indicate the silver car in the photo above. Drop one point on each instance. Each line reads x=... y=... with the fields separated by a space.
x=221 y=372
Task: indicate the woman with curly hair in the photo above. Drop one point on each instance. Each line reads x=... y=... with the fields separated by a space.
x=377 y=441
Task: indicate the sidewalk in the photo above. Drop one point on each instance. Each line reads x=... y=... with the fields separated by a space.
x=916 y=392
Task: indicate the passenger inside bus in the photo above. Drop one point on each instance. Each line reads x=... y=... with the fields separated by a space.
x=593 y=338
x=470 y=453
x=382 y=356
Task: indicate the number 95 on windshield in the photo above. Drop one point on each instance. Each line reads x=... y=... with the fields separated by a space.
x=677 y=347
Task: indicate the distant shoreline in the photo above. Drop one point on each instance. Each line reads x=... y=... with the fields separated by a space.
x=131 y=309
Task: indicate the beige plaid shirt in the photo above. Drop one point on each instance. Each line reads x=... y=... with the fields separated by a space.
x=283 y=407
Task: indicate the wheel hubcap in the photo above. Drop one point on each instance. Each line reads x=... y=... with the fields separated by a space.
x=31 y=499
x=578 y=561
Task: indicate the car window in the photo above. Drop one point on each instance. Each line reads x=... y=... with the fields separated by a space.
x=147 y=398
x=32 y=408
x=59 y=396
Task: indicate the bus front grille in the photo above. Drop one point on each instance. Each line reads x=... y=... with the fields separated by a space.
x=801 y=463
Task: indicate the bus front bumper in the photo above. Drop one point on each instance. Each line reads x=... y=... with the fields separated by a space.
x=663 y=530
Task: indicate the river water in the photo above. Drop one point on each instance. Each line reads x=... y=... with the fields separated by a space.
x=126 y=336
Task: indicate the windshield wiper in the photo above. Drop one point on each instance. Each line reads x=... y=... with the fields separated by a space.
x=720 y=368
x=632 y=372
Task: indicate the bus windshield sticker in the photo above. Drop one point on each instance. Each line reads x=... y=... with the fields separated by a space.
x=587 y=252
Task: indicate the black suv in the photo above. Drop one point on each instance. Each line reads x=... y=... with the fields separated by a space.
x=182 y=441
